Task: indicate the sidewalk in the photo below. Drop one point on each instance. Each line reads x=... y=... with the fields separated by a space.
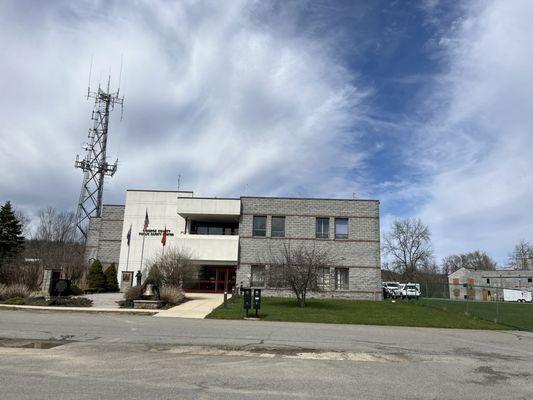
x=198 y=306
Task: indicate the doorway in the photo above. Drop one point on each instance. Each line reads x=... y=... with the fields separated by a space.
x=214 y=279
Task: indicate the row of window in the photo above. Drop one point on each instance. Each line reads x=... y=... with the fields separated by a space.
x=259 y=278
x=277 y=228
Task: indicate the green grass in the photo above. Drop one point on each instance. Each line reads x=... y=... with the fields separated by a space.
x=333 y=311
x=512 y=315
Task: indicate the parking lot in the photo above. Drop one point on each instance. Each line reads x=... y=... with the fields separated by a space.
x=113 y=357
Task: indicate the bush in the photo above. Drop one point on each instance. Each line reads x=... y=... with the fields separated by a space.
x=16 y=301
x=75 y=290
x=171 y=295
x=11 y=291
x=70 y=302
x=133 y=293
x=111 y=282
x=96 y=278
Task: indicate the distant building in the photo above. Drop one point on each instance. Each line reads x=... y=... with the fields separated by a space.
x=229 y=238
x=487 y=285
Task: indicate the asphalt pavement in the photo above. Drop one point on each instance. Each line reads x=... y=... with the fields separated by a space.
x=104 y=356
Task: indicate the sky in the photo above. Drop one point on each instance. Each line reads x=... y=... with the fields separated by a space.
x=424 y=105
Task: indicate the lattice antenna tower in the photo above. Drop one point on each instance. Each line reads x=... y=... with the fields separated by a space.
x=94 y=165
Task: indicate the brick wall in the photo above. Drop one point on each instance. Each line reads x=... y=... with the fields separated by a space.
x=104 y=235
x=360 y=253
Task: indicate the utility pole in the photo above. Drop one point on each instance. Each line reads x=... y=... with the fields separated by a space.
x=94 y=165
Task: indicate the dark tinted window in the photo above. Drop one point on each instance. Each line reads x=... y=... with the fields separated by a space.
x=278 y=227
x=322 y=228
x=341 y=228
x=260 y=226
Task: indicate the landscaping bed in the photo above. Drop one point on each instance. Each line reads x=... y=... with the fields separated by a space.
x=52 y=301
x=335 y=311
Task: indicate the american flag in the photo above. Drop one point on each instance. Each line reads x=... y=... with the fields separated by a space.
x=146 y=221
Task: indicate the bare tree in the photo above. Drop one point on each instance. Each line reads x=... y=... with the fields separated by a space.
x=56 y=244
x=409 y=245
x=299 y=268
x=173 y=268
x=522 y=256
x=476 y=260
x=57 y=226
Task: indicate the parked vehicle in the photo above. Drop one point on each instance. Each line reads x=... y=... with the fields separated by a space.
x=387 y=293
x=410 y=291
x=520 y=296
x=393 y=288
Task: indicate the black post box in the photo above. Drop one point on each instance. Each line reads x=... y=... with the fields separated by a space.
x=247 y=299
x=257 y=300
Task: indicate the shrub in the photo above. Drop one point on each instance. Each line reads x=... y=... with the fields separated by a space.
x=133 y=293
x=16 y=301
x=96 y=277
x=11 y=291
x=111 y=282
x=171 y=295
x=75 y=290
x=70 y=302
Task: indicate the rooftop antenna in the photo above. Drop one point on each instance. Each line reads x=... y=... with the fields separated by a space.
x=94 y=165
x=179 y=182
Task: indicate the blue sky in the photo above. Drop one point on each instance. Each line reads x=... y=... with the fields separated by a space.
x=425 y=105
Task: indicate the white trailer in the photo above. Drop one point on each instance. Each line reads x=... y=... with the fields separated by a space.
x=517 y=295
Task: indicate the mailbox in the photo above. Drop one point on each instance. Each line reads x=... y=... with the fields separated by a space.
x=247 y=299
x=257 y=299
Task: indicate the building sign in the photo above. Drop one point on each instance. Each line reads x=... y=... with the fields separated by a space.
x=155 y=232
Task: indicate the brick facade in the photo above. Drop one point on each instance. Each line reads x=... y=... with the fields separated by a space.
x=104 y=236
x=360 y=252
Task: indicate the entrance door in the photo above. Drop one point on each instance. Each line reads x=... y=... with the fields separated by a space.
x=226 y=277
x=222 y=279
x=213 y=279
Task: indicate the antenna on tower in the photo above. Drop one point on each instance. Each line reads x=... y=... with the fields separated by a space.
x=94 y=165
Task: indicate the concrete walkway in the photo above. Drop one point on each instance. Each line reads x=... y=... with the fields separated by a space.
x=198 y=306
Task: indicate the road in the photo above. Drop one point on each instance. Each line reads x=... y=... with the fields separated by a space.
x=138 y=357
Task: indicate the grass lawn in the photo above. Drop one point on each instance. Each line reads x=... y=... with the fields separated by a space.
x=513 y=315
x=333 y=311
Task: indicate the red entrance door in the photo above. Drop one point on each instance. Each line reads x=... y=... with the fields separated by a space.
x=214 y=279
x=225 y=279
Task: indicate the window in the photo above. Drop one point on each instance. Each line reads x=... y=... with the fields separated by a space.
x=341 y=228
x=341 y=279
x=488 y=280
x=258 y=275
x=260 y=226
x=278 y=227
x=323 y=278
x=530 y=280
x=322 y=228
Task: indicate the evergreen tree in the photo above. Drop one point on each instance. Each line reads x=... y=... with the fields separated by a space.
x=96 y=277
x=111 y=281
x=11 y=239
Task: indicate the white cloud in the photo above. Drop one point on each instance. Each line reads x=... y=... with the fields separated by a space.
x=209 y=94
x=478 y=142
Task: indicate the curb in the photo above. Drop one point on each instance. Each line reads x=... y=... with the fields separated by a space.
x=12 y=307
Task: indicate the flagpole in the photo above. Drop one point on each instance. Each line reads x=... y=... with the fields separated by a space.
x=128 y=259
x=142 y=249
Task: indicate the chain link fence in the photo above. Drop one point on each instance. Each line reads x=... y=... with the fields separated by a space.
x=508 y=307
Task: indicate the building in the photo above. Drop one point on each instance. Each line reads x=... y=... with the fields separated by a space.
x=231 y=240
x=487 y=285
